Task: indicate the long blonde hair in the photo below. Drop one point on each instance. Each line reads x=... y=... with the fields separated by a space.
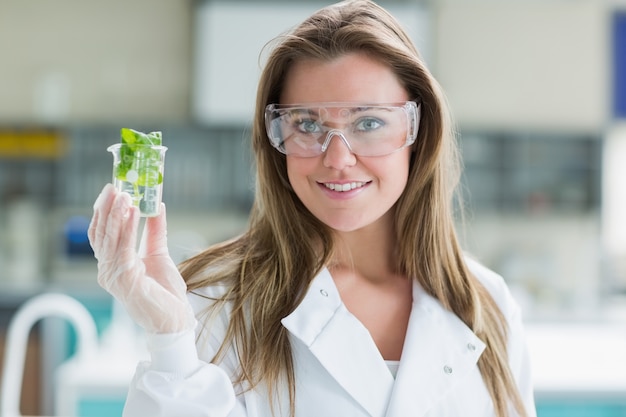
x=268 y=269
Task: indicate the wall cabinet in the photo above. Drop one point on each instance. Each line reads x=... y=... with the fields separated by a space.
x=524 y=172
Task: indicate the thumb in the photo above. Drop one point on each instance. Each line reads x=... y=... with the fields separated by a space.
x=154 y=237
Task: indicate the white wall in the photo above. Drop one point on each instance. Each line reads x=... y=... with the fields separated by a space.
x=114 y=60
x=527 y=64
x=504 y=64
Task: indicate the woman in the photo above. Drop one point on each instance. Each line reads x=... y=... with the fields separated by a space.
x=349 y=294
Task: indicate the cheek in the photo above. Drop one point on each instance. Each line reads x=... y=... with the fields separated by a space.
x=293 y=170
x=298 y=170
x=396 y=169
x=396 y=177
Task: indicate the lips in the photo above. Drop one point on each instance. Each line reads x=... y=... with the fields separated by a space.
x=344 y=187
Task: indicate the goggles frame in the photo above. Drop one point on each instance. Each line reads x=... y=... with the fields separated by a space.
x=274 y=112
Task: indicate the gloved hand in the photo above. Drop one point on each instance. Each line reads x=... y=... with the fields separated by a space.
x=146 y=282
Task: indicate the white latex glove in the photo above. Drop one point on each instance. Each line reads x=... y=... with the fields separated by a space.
x=147 y=283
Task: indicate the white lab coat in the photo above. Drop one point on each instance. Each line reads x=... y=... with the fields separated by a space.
x=339 y=370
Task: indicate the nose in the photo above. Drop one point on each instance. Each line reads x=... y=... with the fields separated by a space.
x=337 y=153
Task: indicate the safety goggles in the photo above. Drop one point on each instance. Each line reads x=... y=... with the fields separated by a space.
x=306 y=130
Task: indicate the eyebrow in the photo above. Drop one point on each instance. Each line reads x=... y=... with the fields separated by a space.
x=353 y=110
x=385 y=108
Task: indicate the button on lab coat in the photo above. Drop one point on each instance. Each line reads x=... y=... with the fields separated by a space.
x=339 y=370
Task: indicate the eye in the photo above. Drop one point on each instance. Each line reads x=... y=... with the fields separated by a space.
x=367 y=124
x=308 y=126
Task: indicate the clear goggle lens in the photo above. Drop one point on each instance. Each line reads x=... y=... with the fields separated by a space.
x=366 y=129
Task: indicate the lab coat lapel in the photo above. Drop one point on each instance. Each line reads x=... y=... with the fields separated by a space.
x=342 y=345
x=439 y=349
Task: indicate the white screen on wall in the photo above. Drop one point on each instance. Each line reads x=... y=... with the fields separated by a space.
x=229 y=39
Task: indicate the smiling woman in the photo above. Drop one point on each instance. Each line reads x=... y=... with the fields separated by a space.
x=348 y=294
x=341 y=159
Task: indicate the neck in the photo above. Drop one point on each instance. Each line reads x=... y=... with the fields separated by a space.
x=368 y=252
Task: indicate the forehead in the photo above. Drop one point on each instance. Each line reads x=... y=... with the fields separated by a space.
x=349 y=78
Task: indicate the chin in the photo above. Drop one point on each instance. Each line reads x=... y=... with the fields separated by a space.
x=346 y=225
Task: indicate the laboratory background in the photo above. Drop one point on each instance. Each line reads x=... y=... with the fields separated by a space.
x=538 y=92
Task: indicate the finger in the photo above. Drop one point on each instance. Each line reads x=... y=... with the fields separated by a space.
x=91 y=231
x=154 y=238
x=102 y=207
x=107 y=190
x=131 y=225
x=113 y=227
x=118 y=261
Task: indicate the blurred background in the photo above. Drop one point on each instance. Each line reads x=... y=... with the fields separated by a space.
x=538 y=91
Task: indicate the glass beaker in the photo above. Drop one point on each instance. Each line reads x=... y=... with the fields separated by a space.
x=138 y=171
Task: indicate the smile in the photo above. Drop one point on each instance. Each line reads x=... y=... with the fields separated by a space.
x=344 y=187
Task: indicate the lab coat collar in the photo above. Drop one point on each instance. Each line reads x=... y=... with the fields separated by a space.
x=438 y=350
x=342 y=345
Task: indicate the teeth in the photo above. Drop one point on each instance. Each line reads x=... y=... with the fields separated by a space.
x=344 y=187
